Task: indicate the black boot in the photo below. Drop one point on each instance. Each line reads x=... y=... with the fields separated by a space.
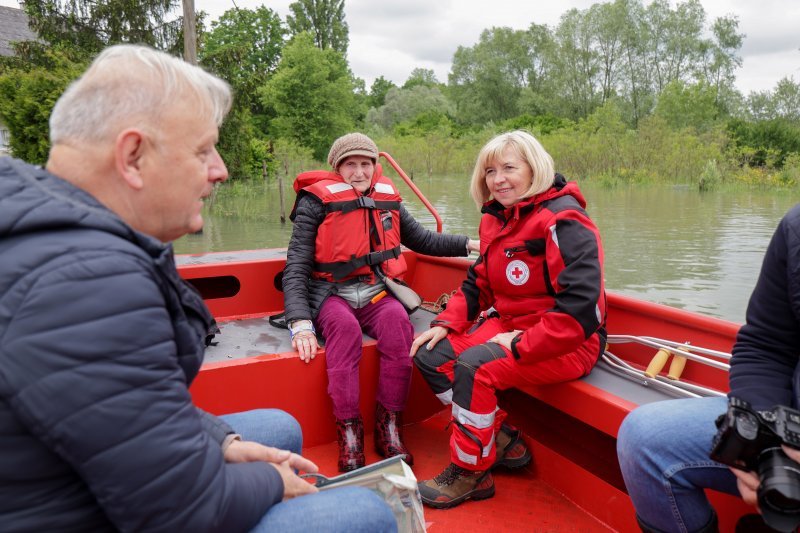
x=350 y=435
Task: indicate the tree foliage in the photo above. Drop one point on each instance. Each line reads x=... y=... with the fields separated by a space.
x=311 y=94
x=244 y=47
x=406 y=104
x=378 y=90
x=90 y=26
x=487 y=79
x=324 y=19
x=27 y=97
x=421 y=76
x=688 y=105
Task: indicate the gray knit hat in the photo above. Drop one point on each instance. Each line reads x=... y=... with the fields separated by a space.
x=352 y=144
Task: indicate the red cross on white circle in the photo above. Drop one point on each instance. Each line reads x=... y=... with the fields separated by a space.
x=517 y=272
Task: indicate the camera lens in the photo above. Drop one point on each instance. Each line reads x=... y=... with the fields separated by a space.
x=779 y=491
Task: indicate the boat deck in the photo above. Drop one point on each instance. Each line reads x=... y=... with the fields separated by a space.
x=525 y=502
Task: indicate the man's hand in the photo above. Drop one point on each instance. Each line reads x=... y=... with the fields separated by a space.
x=434 y=335
x=293 y=485
x=243 y=451
x=747 y=482
x=504 y=339
x=474 y=246
x=306 y=345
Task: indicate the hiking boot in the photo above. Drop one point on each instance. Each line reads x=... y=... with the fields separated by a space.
x=388 y=436
x=511 y=450
x=350 y=435
x=456 y=485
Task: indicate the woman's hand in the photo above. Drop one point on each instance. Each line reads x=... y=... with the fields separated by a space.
x=504 y=339
x=305 y=342
x=474 y=245
x=434 y=335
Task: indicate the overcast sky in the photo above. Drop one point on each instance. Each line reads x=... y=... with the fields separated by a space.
x=392 y=37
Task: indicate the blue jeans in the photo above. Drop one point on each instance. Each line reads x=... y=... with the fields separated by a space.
x=338 y=510
x=663 y=453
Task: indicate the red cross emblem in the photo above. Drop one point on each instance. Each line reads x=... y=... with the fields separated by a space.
x=517 y=272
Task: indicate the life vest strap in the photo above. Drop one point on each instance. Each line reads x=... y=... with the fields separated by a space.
x=340 y=269
x=363 y=202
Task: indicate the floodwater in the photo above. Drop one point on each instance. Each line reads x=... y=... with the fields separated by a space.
x=667 y=244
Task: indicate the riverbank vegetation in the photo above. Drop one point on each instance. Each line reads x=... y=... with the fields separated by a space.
x=619 y=93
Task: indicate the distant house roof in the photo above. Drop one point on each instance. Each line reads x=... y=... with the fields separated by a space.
x=13 y=27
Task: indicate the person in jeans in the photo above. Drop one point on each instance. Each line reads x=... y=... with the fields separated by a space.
x=531 y=311
x=663 y=447
x=349 y=224
x=101 y=338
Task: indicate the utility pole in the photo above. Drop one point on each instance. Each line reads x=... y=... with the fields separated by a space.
x=189 y=33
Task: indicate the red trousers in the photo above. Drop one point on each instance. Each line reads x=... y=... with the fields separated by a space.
x=466 y=371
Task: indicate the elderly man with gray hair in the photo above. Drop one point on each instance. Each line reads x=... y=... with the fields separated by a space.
x=101 y=338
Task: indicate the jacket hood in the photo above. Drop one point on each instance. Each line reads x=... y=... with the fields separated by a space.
x=32 y=199
x=560 y=187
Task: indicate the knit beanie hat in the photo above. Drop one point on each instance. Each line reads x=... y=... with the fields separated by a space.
x=352 y=144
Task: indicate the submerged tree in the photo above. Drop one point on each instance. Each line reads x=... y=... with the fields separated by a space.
x=324 y=19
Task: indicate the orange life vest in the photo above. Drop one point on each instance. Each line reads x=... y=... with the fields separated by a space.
x=359 y=231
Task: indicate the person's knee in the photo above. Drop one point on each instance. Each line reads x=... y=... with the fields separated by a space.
x=632 y=432
x=285 y=425
x=424 y=357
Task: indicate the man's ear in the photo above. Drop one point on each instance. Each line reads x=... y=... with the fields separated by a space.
x=129 y=149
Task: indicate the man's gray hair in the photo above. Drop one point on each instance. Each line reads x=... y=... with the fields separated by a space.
x=133 y=86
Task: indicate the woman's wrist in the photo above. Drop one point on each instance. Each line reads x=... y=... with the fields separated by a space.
x=300 y=326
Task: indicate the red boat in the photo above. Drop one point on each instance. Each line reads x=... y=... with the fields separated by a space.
x=574 y=482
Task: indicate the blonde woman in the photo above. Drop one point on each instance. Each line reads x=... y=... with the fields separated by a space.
x=531 y=311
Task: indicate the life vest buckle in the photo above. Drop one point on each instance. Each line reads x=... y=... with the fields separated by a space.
x=366 y=202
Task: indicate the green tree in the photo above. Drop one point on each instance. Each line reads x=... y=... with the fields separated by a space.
x=694 y=105
x=311 y=94
x=244 y=47
x=577 y=64
x=324 y=19
x=90 y=26
x=421 y=76
x=405 y=104
x=27 y=97
x=378 y=90
x=487 y=80
x=719 y=56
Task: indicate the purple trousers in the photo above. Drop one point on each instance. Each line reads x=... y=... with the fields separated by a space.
x=341 y=326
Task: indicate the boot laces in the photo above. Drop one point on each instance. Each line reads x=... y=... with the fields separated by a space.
x=450 y=474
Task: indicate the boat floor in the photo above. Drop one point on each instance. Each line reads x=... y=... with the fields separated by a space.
x=523 y=502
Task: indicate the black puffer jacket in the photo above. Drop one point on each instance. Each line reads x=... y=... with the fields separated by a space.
x=99 y=340
x=303 y=296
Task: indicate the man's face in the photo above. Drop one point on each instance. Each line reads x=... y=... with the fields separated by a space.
x=181 y=171
x=357 y=170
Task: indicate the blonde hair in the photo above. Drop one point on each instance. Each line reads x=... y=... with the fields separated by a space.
x=129 y=85
x=527 y=148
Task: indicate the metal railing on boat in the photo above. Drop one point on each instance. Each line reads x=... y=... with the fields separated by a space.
x=650 y=377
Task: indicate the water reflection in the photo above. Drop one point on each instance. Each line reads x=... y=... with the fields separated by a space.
x=667 y=244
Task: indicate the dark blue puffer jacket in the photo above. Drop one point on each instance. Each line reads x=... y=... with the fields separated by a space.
x=765 y=368
x=99 y=340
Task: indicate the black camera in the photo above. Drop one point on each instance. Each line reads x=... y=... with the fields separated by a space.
x=751 y=440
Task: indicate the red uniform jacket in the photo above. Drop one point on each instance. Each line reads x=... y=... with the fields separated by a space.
x=541 y=268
